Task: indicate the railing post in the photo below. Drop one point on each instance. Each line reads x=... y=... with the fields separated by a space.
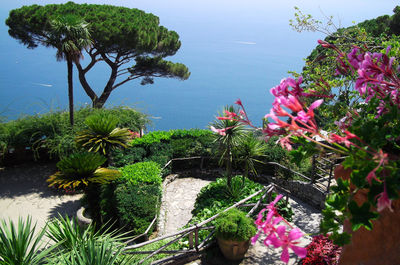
x=196 y=238
x=313 y=170
x=191 y=240
x=330 y=178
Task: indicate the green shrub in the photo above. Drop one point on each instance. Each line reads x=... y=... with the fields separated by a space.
x=152 y=137
x=234 y=225
x=213 y=198
x=162 y=146
x=52 y=132
x=127 y=156
x=137 y=205
x=142 y=172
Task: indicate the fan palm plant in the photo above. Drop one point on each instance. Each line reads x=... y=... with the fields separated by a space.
x=19 y=245
x=234 y=130
x=83 y=171
x=69 y=35
x=102 y=134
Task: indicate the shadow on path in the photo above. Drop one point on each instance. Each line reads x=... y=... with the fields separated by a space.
x=26 y=179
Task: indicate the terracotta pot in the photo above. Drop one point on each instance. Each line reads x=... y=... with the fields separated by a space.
x=381 y=245
x=233 y=250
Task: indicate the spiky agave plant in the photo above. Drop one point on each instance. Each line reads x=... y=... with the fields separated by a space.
x=102 y=134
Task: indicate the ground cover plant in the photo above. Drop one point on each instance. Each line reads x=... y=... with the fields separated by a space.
x=321 y=251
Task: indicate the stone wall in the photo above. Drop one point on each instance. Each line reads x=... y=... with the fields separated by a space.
x=303 y=190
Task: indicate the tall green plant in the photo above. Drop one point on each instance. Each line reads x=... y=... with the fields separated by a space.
x=70 y=35
x=249 y=149
x=19 y=245
x=233 y=131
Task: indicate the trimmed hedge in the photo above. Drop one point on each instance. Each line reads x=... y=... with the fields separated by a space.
x=137 y=205
x=162 y=146
x=135 y=198
x=143 y=172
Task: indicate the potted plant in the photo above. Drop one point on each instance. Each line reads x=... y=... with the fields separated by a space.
x=233 y=231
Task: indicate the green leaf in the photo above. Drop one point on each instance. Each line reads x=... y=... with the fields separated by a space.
x=361 y=216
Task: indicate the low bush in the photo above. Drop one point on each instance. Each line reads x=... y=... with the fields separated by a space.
x=234 y=225
x=162 y=146
x=321 y=251
x=137 y=205
x=142 y=172
x=134 y=199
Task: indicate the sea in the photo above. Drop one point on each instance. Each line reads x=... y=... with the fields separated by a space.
x=233 y=49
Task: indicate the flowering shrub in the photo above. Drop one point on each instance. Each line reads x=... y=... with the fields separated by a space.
x=321 y=251
x=369 y=136
x=278 y=236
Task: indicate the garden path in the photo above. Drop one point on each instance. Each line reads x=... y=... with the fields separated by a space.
x=178 y=202
x=24 y=192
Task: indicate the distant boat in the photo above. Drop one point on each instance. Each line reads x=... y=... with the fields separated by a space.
x=40 y=84
x=246 y=42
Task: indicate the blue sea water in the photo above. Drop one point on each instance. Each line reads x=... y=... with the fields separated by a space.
x=234 y=49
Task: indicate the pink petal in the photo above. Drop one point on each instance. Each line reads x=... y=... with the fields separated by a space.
x=277 y=198
x=301 y=252
x=255 y=238
x=316 y=104
x=285 y=255
x=273 y=240
x=294 y=234
x=281 y=230
x=238 y=102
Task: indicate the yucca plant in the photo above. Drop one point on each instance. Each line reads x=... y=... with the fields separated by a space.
x=93 y=252
x=102 y=134
x=249 y=149
x=19 y=245
x=233 y=131
x=82 y=171
x=67 y=234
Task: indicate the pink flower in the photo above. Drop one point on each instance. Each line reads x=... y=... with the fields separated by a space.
x=288 y=241
x=371 y=175
x=384 y=201
x=238 y=102
x=219 y=131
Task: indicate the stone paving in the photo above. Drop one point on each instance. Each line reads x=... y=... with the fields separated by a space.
x=178 y=202
x=24 y=192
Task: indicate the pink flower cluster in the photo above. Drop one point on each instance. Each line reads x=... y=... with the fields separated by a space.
x=376 y=77
x=278 y=236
